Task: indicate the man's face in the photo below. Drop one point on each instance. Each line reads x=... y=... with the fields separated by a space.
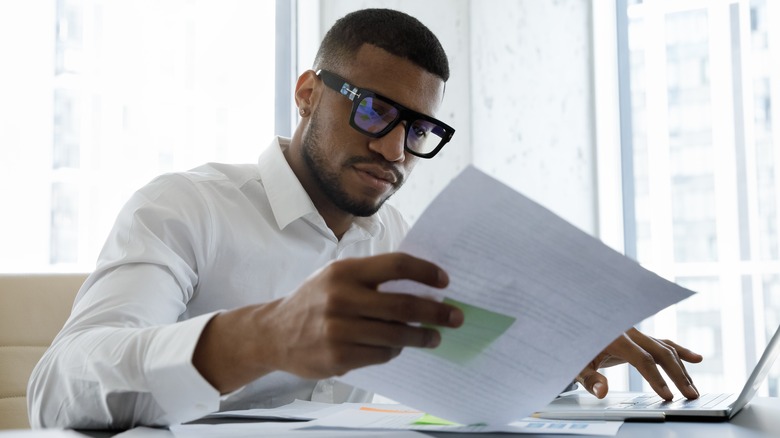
x=354 y=172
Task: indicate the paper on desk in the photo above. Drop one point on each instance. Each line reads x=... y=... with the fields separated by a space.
x=265 y=424
x=401 y=417
x=297 y=410
x=569 y=294
x=145 y=432
x=279 y=429
x=40 y=433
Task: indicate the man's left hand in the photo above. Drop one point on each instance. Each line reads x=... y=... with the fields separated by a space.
x=645 y=354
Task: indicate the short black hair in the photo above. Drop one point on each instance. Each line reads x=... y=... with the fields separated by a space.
x=396 y=32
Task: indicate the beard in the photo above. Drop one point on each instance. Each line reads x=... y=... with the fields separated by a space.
x=317 y=161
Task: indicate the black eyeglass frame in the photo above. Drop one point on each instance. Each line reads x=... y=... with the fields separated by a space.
x=357 y=94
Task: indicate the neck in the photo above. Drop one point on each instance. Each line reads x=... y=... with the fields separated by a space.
x=338 y=221
x=335 y=218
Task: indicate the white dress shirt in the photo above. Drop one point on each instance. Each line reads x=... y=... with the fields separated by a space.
x=184 y=247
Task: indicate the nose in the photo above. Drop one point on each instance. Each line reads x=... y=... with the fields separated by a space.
x=391 y=145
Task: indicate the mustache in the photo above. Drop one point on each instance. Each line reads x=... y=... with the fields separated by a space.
x=400 y=177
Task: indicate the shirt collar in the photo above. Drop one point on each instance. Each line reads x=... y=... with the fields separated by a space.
x=289 y=201
x=287 y=197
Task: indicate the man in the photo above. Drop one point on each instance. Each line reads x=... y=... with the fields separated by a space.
x=232 y=287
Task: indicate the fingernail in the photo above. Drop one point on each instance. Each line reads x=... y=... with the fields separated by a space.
x=443 y=279
x=456 y=318
x=433 y=340
x=667 y=393
x=695 y=391
x=598 y=388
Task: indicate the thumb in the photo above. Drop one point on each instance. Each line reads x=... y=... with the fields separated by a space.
x=594 y=382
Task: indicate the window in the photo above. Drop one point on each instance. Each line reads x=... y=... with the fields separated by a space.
x=113 y=94
x=701 y=161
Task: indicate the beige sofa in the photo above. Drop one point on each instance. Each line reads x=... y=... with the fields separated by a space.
x=33 y=308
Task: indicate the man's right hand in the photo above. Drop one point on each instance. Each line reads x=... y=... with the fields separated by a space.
x=336 y=321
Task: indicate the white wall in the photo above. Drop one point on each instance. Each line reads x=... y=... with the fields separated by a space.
x=519 y=97
x=532 y=102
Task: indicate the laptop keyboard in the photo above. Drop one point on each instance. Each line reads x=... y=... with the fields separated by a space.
x=652 y=401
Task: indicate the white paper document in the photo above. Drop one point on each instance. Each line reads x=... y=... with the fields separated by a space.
x=541 y=299
x=40 y=433
x=254 y=430
x=399 y=417
x=364 y=420
x=297 y=410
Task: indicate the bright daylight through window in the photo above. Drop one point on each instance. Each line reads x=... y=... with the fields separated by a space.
x=101 y=96
x=703 y=165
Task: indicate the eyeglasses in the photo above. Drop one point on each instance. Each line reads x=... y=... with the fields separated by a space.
x=375 y=115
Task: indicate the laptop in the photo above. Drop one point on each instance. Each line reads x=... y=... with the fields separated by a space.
x=581 y=405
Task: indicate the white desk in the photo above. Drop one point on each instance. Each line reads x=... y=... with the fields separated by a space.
x=760 y=419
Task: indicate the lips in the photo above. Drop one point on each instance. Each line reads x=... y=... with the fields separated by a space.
x=389 y=176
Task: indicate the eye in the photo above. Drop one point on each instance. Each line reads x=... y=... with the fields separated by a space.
x=420 y=129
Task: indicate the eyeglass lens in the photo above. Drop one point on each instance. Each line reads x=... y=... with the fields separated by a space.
x=374 y=114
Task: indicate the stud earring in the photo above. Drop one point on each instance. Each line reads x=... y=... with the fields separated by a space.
x=302 y=112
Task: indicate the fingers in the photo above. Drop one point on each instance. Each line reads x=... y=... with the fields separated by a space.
x=337 y=320
x=404 y=308
x=593 y=381
x=646 y=354
x=646 y=365
x=367 y=273
x=667 y=356
x=381 y=334
x=373 y=271
x=684 y=353
x=688 y=356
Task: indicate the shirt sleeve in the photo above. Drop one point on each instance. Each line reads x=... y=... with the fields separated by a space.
x=124 y=357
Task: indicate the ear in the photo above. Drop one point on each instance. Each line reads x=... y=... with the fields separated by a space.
x=307 y=91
